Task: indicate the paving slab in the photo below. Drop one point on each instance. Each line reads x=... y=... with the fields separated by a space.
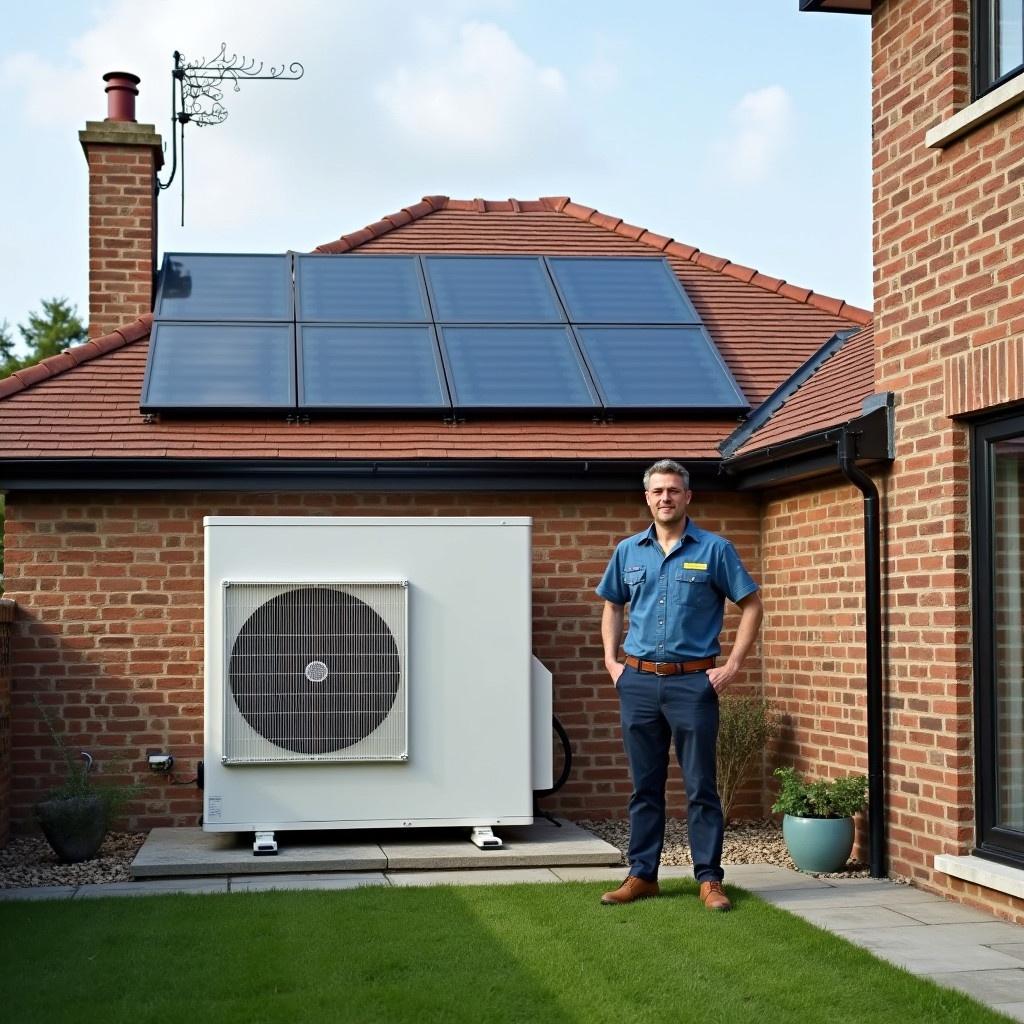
x=899 y=898
x=39 y=892
x=938 y=948
x=1015 y=949
x=1013 y=1010
x=542 y=844
x=154 y=887
x=183 y=852
x=845 y=918
x=943 y=912
x=484 y=876
x=266 y=883
x=766 y=877
x=992 y=987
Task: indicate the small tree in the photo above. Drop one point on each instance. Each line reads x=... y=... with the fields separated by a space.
x=745 y=727
x=47 y=333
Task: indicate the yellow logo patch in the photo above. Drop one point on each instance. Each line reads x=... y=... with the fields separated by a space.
x=695 y=565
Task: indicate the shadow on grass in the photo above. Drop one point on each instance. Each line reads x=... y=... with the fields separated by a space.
x=513 y=953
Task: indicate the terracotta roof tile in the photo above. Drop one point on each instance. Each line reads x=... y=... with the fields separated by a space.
x=83 y=405
x=833 y=395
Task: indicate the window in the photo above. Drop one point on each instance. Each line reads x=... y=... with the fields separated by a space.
x=998 y=42
x=997 y=467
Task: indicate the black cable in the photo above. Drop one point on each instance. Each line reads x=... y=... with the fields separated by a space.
x=563 y=736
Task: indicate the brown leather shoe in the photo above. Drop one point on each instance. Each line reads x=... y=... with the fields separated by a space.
x=712 y=895
x=633 y=888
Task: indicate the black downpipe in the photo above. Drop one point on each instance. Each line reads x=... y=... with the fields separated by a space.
x=873 y=627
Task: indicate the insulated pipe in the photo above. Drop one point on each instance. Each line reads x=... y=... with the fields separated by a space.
x=873 y=628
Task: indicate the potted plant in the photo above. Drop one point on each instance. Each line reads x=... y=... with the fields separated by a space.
x=76 y=815
x=818 y=822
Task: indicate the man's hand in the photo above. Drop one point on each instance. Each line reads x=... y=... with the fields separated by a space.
x=722 y=676
x=615 y=669
x=746 y=634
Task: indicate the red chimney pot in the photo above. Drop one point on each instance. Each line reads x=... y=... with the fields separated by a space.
x=121 y=92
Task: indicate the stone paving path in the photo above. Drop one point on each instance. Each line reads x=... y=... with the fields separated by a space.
x=925 y=934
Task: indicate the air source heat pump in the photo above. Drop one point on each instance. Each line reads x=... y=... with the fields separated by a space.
x=371 y=673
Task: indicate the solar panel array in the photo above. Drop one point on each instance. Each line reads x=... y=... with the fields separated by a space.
x=358 y=332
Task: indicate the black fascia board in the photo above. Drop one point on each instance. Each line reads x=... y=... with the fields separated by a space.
x=782 y=394
x=303 y=475
x=815 y=454
x=830 y=7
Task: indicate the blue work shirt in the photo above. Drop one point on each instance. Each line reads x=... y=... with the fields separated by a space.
x=676 y=601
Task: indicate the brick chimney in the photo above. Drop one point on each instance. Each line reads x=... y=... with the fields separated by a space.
x=123 y=158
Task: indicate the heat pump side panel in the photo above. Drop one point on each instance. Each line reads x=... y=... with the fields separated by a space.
x=467 y=674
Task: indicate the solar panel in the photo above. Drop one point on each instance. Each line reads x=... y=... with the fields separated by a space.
x=370 y=366
x=621 y=290
x=220 y=366
x=515 y=367
x=360 y=289
x=491 y=289
x=659 y=367
x=224 y=287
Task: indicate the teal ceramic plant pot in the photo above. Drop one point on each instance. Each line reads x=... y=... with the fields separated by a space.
x=821 y=845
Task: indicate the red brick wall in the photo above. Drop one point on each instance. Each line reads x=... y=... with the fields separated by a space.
x=813 y=658
x=110 y=596
x=7 y=609
x=948 y=239
x=122 y=233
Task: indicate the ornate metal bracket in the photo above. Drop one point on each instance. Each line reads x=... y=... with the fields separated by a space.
x=197 y=91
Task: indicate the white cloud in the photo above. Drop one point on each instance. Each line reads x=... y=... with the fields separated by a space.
x=760 y=130
x=478 y=95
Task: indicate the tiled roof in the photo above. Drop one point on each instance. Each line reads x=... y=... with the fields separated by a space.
x=833 y=395
x=79 y=405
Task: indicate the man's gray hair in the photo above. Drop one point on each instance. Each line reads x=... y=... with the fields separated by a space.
x=666 y=466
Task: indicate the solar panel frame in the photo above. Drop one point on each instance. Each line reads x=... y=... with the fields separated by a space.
x=689 y=316
x=558 y=316
x=444 y=404
x=573 y=348
x=305 y=260
x=149 y=404
x=647 y=404
x=286 y=315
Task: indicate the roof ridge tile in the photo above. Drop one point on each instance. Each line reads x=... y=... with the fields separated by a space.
x=608 y=222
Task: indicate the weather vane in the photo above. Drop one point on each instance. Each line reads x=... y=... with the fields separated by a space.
x=197 y=89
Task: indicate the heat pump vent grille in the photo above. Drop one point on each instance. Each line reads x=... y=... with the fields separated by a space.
x=315 y=672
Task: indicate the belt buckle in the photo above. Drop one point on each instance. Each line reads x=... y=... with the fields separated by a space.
x=657 y=668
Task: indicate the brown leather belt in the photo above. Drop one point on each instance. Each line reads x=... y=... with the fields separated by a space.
x=669 y=668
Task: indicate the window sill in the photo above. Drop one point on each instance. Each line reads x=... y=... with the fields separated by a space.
x=989 y=106
x=987 y=873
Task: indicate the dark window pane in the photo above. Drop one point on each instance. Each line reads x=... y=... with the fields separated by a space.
x=220 y=366
x=1009 y=25
x=384 y=289
x=621 y=291
x=359 y=367
x=499 y=289
x=515 y=367
x=659 y=367
x=220 y=287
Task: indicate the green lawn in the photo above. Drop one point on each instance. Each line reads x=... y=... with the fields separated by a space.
x=530 y=953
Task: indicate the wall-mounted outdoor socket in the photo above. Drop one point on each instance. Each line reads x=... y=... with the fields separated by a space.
x=159 y=761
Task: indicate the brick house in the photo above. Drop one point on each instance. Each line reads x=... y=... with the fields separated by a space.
x=105 y=504
x=948 y=166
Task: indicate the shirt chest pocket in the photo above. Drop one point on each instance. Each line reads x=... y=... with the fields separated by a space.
x=632 y=578
x=694 y=588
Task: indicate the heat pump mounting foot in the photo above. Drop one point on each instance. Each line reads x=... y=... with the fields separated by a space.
x=265 y=845
x=485 y=839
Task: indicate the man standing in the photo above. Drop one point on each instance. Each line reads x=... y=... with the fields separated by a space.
x=675 y=578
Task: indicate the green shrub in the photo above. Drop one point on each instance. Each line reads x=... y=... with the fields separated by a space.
x=746 y=725
x=825 y=798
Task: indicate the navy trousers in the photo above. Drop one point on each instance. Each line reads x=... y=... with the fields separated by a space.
x=657 y=712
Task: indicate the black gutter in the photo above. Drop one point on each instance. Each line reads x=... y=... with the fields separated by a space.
x=845 y=452
x=334 y=475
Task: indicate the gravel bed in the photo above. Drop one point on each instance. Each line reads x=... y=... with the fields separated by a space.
x=28 y=861
x=746 y=842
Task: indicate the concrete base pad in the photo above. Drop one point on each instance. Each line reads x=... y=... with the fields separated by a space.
x=185 y=852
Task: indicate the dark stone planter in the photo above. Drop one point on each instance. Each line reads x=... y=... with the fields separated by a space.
x=821 y=845
x=74 y=826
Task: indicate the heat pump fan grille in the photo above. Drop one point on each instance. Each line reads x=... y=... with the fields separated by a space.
x=316 y=672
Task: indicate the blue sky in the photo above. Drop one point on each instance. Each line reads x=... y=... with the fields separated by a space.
x=739 y=126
